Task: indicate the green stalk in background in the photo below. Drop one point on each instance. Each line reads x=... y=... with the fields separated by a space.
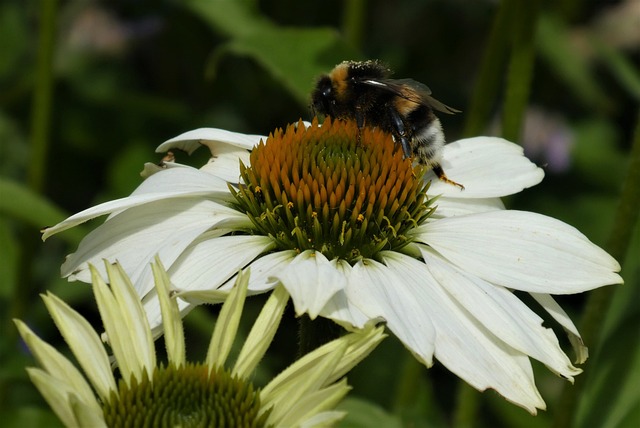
x=520 y=69
x=487 y=86
x=42 y=96
x=599 y=300
x=353 y=22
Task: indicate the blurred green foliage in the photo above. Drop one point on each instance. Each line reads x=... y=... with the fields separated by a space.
x=83 y=107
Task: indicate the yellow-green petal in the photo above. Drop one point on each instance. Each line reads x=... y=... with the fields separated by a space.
x=56 y=364
x=262 y=332
x=171 y=319
x=138 y=324
x=307 y=374
x=116 y=328
x=56 y=393
x=227 y=323
x=84 y=343
x=314 y=403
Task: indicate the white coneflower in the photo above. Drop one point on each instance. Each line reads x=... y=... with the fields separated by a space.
x=355 y=232
x=182 y=393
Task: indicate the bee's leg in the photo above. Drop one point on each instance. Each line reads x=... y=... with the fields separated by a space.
x=401 y=133
x=437 y=169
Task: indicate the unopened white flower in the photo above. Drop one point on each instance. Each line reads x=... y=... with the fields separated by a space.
x=356 y=233
x=183 y=393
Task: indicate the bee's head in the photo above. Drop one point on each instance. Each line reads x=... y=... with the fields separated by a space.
x=323 y=98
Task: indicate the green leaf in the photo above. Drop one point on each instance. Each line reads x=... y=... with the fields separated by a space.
x=612 y=394
x=30 y=417
x=596 y=155
x=293 y=56
x=620 y=66
x=553 y=41
x=233 y=18
x=21 y=203
x=364 y=414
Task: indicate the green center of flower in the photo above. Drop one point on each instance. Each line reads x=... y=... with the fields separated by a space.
x=188 y=396
x=327 y=189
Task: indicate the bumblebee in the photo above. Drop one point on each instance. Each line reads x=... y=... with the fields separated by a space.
x=364 y=92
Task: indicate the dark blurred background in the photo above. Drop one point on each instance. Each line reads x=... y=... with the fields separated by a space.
x=76 y=126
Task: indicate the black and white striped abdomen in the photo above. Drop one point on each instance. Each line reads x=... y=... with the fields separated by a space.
x=427 y=143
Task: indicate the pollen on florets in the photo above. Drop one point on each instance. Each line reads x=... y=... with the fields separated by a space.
x=329 y=189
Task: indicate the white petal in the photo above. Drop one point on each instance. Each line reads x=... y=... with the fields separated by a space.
x=151 y=168
x=341 y=310
x=226 y=164
x=135 y=236
x=558 y=314
x=214 y=138
x=451 y=207
x=379 y=290
x=166 y=184
x=263 y=270
x=487 y=167
x=211 y=261
x=523 y=251
x=464 y=346
x=502 y=313
x=311 y=280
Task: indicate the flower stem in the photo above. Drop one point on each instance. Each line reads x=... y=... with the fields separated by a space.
x=466 y=406
x=599 y=300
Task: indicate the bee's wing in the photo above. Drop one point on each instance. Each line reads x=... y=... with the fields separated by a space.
x=411 y=90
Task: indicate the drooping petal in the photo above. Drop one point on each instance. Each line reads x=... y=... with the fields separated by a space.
x=463 y=345
x=379 y=291
x=135 y=236
x=551 y=306
x=341 y=310
x=165 y=185
x=211 y=260
x=502 y=313
x=487 y=167
x=522 y=250
x=214 y=138
x=263 y=270
x=311 y=280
